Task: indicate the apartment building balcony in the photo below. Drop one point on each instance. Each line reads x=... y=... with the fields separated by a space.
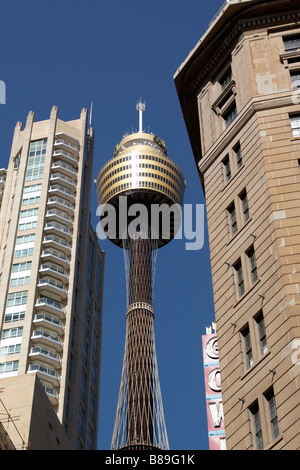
x=46 y=338
x=62 y=191
x=43 y=354
x=49 y=286
x=52 y=226
x=55 y=256
x=45 y=304
x=59 y=243
x=65 y=155
x=61 y=217
x=50 y=392
x=44 y=372
x=66 y=142
x=49 y=321
x=54 y=271
x=61 y=204
x=66 y=181
x=65 y=168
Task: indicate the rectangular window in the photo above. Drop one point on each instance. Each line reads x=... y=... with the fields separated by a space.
x=29 y=213
x=19 y=281
x=36 y=160
x=14 y=316
x=17 y=298
x=12 y=333
x=9 y=367
x=230 y=115
x=273 y=413
x=239 y=277
x=227 y=169
x=254 y=410
x=247 y=347
x=23 y=253
x=295 y=76
x=245 y=205
x=21 y=267
x=30 y=200
x=252 y=264
x=295 y=125
x=27 y=225
x=238 y=156
x=232 y=218
x=226 y=78
x=25 y=238
x=12 y=349
x=261 y=333
x=292 y=43
x=32 y=188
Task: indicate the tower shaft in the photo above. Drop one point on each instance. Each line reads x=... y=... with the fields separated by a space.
x=140 y=325
x=140 y=418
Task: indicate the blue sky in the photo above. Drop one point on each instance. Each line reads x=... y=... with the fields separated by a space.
x=70 y=53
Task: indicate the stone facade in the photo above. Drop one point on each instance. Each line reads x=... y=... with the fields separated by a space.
x=238 y=92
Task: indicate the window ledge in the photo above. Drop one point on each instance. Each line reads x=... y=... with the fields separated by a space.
x=274 y=443
x=259 y=361
x=235 y=236
x=246 y=293
x=228 y=183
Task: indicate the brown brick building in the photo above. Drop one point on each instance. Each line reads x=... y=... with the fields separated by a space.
x=238 y=93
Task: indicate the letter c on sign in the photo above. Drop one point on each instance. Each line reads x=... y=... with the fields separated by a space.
x=212 y=380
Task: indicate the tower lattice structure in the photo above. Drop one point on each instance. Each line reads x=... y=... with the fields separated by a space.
x=140 y=174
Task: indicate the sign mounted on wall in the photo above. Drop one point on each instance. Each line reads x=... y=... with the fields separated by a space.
x=213 y=395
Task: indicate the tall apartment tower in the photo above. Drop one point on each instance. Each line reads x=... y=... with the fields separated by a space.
x=238 y=93
x=51 y=286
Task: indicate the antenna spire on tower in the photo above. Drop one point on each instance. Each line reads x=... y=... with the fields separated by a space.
x=140 y=107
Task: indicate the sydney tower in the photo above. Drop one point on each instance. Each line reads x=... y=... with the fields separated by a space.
x=140 y=179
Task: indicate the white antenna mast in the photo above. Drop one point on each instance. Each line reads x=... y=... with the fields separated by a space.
x=91 y=112
x=140 y=107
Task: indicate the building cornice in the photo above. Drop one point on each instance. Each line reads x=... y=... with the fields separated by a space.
x=212 y=50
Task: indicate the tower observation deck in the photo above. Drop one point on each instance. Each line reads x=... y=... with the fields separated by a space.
x=140 y=179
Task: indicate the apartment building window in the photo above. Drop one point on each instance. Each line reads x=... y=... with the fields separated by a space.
x=238 y=155
x=227 y=168
x=295 y=125
x=245 y=205
x=14 y=316
x=11 y=349
x=232 y=218
x=230 y=115
x=226 y=79
x=256 y=421
x=295 y=76
x=30 y=200
x=291 y=43
x=32 y=188
x=81 y=417
x=12 y=333
x=247 y=347
x=262 y=337
x=252 y=264
x=19 y=281
x=9 y=367
x=23 y=253
x=27 y=225
x=21 y=267
x=29 y=213
x=25 y=238
x=239 y=277
x=36 y=160
x=272 y=413
x=17 y=298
